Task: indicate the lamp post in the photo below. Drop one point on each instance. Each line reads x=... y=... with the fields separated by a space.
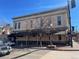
x=50 y=27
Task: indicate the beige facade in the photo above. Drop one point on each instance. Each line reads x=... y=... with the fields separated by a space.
x=56 y=18
x=47 y=18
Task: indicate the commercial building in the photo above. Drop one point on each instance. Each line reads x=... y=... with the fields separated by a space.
x=43 y=28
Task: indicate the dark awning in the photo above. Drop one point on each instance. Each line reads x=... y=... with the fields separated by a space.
x=38 y=31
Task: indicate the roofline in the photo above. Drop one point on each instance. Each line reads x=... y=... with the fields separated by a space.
x=43 y=12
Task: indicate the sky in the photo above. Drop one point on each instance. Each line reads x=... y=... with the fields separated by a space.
x=11 y=8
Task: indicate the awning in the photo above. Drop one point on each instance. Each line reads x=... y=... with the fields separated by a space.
x=60 y=33
x=38 y=31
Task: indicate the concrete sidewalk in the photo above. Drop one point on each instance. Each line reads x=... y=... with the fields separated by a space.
x=68 y=48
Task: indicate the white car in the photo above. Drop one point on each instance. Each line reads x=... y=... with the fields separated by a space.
x=9 y=43
x=4 y=49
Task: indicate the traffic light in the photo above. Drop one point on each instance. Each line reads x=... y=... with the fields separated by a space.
x=73 y=4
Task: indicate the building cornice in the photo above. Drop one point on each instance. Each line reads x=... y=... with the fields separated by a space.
x=43 y=12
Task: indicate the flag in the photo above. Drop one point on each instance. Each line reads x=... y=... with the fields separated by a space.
x=73 y=3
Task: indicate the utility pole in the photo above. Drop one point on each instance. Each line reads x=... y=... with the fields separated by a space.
x=69 y=7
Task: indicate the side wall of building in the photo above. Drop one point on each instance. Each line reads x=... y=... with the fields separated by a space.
x=42 y=21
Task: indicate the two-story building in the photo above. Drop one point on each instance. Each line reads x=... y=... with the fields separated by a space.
x=43 y=28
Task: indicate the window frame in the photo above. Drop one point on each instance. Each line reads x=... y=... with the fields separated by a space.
x=15 y=25
x=31 y=21
x=19 y=25
x=59 y=19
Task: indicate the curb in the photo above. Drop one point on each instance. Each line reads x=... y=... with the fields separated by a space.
x=63 y=49
x=71 y=49
x=24 y=54
x=59 y=49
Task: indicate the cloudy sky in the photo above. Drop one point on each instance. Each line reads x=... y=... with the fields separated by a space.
x=11 y=8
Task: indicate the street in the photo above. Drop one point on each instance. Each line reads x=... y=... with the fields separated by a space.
x=17 y=52
x=35 y=55
x=49 y=54
x=62 y=55
x=42 y=54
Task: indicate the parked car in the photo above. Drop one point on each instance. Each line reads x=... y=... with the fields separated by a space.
x=4 y=49
x=7 y=42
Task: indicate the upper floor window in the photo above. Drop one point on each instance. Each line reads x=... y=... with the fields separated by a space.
x=59 y=20
x=31 y=23
x=49 y=20
x=19 y=25
x=15 y=25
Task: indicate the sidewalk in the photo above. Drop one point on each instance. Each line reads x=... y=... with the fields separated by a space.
x=68 y=48
x=63 y=48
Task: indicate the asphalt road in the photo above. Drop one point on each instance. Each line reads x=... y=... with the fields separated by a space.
x=62 y=55
x=50 y=54
x=35 y=55
x=17 y=52
x=42 y=54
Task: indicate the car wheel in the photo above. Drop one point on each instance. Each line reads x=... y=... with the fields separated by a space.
x=0 y=55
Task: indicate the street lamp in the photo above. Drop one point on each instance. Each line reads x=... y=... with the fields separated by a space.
x=50 y=27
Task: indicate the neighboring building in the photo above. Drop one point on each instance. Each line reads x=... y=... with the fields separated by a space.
x=1 y=30
x=5 y=31
x=42 y=28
